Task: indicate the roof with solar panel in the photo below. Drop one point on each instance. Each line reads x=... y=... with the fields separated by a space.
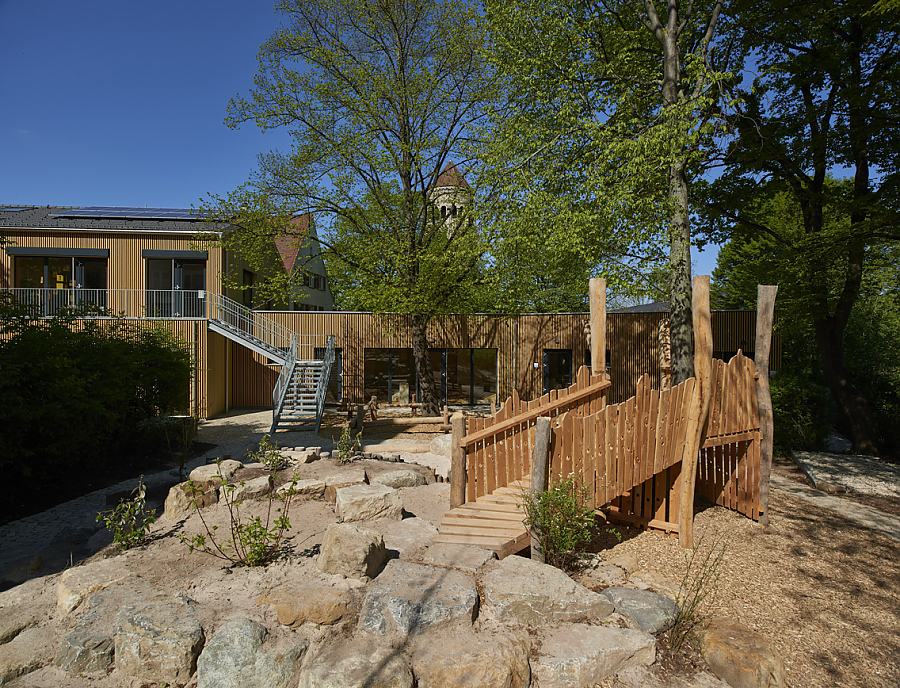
x=106 y=217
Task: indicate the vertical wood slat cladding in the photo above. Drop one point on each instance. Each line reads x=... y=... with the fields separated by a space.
x=520 y=342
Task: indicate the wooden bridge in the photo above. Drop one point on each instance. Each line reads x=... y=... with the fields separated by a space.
x=631 y=455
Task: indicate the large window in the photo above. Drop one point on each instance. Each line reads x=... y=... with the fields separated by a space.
x=52 y=282
x=175 y=288
x=557 y=369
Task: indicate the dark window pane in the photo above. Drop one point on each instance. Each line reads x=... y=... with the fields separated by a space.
x=29 y=272
x=485 y=375
x=403 y=371
x=459 y=376
x=375 y=373
x=557 y=368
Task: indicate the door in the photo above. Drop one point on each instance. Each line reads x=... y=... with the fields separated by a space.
x=557 y=369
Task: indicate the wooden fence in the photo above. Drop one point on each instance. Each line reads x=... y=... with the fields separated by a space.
x=498 y=448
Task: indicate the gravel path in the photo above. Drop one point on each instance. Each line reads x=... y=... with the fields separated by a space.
x=858 y=474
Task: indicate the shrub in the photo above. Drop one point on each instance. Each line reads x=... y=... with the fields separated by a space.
x=347 y=445
x=130 y=521
x=697 y=589
x=562 y=521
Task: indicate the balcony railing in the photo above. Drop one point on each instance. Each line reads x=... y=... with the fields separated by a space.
x=129 y=303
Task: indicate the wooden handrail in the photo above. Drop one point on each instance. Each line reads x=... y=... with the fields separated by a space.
x=502 y=426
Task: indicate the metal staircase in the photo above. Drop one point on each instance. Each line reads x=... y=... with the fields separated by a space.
x=298 y=400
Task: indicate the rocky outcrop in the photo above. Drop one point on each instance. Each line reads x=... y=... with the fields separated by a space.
x=602 y=574
x=295 y=605
x=363 y=662
x=649 y=611
x=525 y=591
x=29 y=650
x=577 y=655
x=234 y=658
x=409 y=535
x=77 y=583
x=741 y=656
x=182 y=500
x=159 y=640
x=368 y=503
x=83 y=650
x=468 y=558
x=352 y=550
x=486 y=660
x=408 y=599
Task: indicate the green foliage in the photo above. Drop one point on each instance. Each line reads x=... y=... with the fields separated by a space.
x=72 y=392
x=130 y=521
x=250 y=541
x=269 y=455
x=697 y=590
x=562 y=520
x=347 y=445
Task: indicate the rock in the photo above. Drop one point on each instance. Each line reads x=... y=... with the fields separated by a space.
x=159 y=640
x=303 y=488
x=15 y=618
x=83 y=650
x=468 y=558
x=495 y=660
x=216 y=472
x=403 y=477
x=368 y=503
x=603 y=575
x=255 y=488
x=362 y=662
x=347 y=477
x=625 y=561
x=28 y=651
x=233 y=658
x=409 y=535
x=410 y=598
x=648 y=580
x=351 y=550
x=651 y=612
x=438 y=463
x=325 y=455
x=77 y=583
x=441 y=445
x=295 y=605
x=180 y=501
x=526 y=591
x=740 y=656
x=577 y=655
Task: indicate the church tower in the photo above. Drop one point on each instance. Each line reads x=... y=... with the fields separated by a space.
x=451 y=194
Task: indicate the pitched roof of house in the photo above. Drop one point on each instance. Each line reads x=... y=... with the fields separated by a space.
x=290 y=243
x=96 y=218
x=451 y=177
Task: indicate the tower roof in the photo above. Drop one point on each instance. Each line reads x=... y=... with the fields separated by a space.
x=451 y=177
x=289 y=243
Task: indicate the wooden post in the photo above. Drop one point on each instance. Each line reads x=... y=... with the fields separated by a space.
x=597 y=292
x=765 y=316
x=357 y=425
x=539 y=476
x=698 y=410
x=457 y=461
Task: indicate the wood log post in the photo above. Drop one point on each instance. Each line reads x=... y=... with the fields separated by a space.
x=457 y=461
x=597 y=293
x=358 y=420
x=698 y=414
x=539 y=460
x=445 y=414
x=493 y=408
x=765 y=317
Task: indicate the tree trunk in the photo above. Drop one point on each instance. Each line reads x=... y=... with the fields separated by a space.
x=851 y=403
x=427 y=387
x=680 y=317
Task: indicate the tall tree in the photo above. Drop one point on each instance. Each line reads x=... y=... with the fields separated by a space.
x=825 y=99
x=379 y=96
x=615 y=106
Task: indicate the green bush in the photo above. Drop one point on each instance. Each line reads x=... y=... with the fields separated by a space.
x=562 y=520
x=130 y=521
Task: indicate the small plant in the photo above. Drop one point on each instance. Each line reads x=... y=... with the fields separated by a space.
x=270 y=455
x=249 y=542
x=562 y=520
x=130 y=521
x=347 y=446
x=697 y=588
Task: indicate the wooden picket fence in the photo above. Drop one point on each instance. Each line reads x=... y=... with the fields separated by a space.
x=499 y=448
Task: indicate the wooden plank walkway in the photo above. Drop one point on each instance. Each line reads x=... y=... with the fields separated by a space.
x=494 y=521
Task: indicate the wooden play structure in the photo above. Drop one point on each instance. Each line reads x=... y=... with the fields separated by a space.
x=634 y=456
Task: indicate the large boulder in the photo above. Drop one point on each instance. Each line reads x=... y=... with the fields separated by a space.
x=442 y=445
x=368 y=503
x=486 y=660
x=85 y=650
x=351 y=550
x=224 y=470
x=182 y=500
x=362 y=662
x=409 y=535
x=602 y=574
x=28 y=651
x=578 y=655
x=402 y=477
x=159 y=640
x=77 y=583
x=344 y=478
x=741 y=656
x=233 y=658
x=295 y=605
x=410 y=598
x=468 y=558
x=649 y=611
x=525 y=591
x=309 y=487
x=256 y=488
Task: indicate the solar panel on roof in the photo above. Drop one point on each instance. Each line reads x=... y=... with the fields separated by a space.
x=129 y=213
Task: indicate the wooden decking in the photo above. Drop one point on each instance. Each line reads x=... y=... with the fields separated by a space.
x=493 y=521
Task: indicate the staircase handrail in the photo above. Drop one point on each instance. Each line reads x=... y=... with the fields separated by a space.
x=324 y=378
x=283 y=382
x=257 y=325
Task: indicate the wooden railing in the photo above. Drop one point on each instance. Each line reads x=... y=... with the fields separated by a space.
x=498 y=449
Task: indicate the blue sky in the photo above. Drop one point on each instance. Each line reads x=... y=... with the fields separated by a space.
x=120 y=102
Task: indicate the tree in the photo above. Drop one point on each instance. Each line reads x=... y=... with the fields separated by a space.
x=615 y=106
x=825 y=98
x=379 y=96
